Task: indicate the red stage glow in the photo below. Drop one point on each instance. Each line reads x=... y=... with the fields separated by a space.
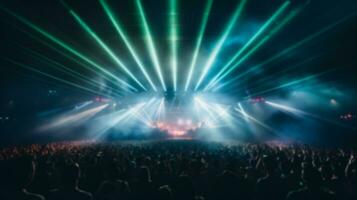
x=257 y=100
x=180 y=128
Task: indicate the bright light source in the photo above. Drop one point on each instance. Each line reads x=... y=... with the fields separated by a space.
x=333 y=102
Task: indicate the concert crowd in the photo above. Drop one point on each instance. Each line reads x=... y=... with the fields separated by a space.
x=176 y=170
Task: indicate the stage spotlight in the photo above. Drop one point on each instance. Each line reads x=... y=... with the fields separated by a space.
x=347 y=117
x=333 y=102
x=257 y=100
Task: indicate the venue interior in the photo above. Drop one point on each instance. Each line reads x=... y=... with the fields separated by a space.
x=178 y=99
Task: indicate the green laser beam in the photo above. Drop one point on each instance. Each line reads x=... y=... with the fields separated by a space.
x=291 y=48
x=261 y=30
x=119 y=29
x=54 y=64
x=291 y=83
x=70 y=49
x=218 y=46
x=173 y=24
x=63 y=54
x=284 y=22
x=272 y=78
x=106 y=48
x=199 y=41
x=56 y=78
x=150 y=43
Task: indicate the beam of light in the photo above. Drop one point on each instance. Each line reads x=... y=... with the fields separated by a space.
x=261 y=30
x=70 y=49
x=216 y=111
x=272 y=78
x=285 y=21
x=106 y=122
x=217 y=48
x=138 y=113
x=150 y=43
x=159 y=113
x=50 y=112
x=291 y=83
x=198 y=43
x=142 y=114
x=223 y=113
x=266 y=79
x=150 y=110
x=69 y=71
x=73 y=108
x=72 y=119
x=83 y=105
x=173 y=38
x=220 y=110
x=106 y=48
x=57 y=78
x=291 y=48
x=121 y=116
x=243 y=112
x=205 y=107
x=301 y=112
x=246 y=115
x=285 y=107
x=71 y=58
x=126 y=40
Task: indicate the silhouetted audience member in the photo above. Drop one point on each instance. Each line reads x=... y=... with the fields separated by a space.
x=142 y=185
x=312 y=190
x=350 y=189
x=112 y=188
x=164 y=193
x=184 y=189
x=69 y=190
x=271 y=185
x=16 y=175
x=228 y=184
